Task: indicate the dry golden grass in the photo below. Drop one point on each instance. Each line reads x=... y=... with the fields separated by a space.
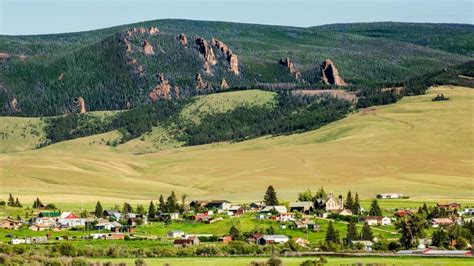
x=417 y=147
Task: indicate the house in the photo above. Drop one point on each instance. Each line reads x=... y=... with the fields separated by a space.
x=389 y=196
x=112 y=214
x=134 y=219
x=272 y=239
x=334 y=204
x=366 y=245
x=257 y=205
x=225 y=239
x=175 y=234
x=221 y=205
x=285 y=217
x=449 y=206
x=70 y=220
x=17 y=241
x=403 y=213
x=306 y=224
x=115 y=236
x=345 y=212
x=468 y=211
x=190 y=241
x=236 y=210
x=437 y=222
x=198 y=204
x=165 y=216
x=378 y=220
x=253 y=237
x=274 y=209
x=302 y=242
x=306 y=207
x=9 y=223
x=39 y=227
x=111 y=226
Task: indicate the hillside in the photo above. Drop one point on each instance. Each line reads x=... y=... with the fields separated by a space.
x=453 y=38
x=134 y=65
x=413 y=146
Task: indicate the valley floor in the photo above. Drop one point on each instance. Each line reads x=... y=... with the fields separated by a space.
x=417 y=147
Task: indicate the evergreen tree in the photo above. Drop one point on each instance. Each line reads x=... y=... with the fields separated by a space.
x=151 y=210
x=411 y=229
x=37 y=203
x=99 y=211
x=352 y=231
x=270 y=197
x=321 y=194
x=234 y=233
x=366 y=233
x=440 y=238
x=11 y=201
x=375 y=208
x=306 y=195
x=356 y=206
x=140 y=209
x=349 y=204
x=127 y=208
x=172 y=203
x=332 y=235
x=162 y=204
x=17 y=203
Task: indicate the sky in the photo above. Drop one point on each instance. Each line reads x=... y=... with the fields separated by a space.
x=21 y=17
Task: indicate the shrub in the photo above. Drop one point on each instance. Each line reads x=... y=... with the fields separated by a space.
x=140 y=262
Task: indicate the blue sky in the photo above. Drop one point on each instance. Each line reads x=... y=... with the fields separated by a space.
x=18 y=17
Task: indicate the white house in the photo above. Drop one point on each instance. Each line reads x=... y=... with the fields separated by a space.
x=176 y=234
x=69 y=219
x=468 y=211
x=285 y=217
x=272 y=239
x=107 y=226
x=334 y=204
x=389 y=196
x=17 y=241
x=378 y=220
x=220 y=205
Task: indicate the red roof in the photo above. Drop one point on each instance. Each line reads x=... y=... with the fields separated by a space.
x=71 y=216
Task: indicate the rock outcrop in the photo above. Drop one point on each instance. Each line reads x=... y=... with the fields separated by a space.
x=148 y=48
x=291 y=68
x=224 y=84
x=4 y=56
x=81 y=104
x=330 y=75
x=161 y=91
x=128 y=44
x=231 y=58
x=177 y=92
x=200 y=84
x=206 y=51
x=183 y=39
x=14 y=105
x=153 y=31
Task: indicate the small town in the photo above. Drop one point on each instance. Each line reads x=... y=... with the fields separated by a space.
x=315 y=224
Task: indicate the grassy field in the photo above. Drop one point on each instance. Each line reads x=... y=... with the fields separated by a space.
x=296 y=261
x=413 y=147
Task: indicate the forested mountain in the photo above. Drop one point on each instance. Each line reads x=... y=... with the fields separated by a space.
x=135 y=65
